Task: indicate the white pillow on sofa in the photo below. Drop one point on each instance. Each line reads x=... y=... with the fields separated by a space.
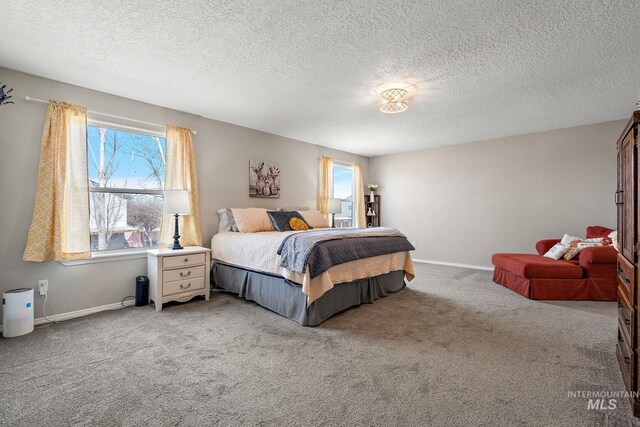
x=557 y=251
x=574 y=250
x=568 y=238
x=614 y=239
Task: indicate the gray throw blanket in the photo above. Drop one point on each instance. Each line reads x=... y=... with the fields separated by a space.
x=322 y=249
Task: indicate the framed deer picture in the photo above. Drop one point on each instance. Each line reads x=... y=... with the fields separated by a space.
x=264 y=179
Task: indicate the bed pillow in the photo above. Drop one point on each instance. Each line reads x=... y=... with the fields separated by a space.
x=295 y=208
x=252 y=220
x=284 y=221
x=314 y=218
x=299 y=224
x=557 y=251
x=227 y=222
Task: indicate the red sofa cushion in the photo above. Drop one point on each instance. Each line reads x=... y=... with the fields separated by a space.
x=536 y=266
x=598 y=289
x=595 y=231
x=598 y=255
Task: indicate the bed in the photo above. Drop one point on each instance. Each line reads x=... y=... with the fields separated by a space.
x=308 y=276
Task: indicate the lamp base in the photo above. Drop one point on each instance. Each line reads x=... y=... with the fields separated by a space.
x=333 y=220
x=176 y=237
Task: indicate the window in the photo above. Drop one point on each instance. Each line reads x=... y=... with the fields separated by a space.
x=126 y=179
x=343 y=189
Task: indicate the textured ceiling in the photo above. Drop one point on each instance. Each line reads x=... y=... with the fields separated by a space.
x=309 y=69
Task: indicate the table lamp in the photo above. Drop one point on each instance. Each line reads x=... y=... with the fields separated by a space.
x=176 y=202
x=334 y=206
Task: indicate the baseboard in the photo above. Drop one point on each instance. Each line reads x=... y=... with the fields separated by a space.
x=115 y=306
x=453 y=264
x=80 y=313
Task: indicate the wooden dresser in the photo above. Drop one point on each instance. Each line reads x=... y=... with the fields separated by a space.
x=178 y=275
x=627 y=205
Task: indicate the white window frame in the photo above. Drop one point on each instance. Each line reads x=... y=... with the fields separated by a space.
x=348 y=166
x=115 y=254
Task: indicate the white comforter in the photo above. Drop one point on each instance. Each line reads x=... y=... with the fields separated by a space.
x=258 y=252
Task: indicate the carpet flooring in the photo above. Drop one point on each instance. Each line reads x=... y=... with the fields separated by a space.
x=452 y=349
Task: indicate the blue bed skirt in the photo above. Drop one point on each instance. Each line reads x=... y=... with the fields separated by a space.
x=286 y=298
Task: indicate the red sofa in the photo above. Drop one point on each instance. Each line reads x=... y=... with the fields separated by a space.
x=589 y=276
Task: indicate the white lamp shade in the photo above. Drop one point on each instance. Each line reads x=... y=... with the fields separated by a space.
x=334 y=206
x=176 y=202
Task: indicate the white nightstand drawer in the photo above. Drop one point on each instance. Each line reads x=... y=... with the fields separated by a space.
x=178 y=275
x=183 y=286
x=183 y=273
x=182 y=260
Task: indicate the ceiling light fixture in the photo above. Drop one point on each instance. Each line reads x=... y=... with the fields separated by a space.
x=393 y=100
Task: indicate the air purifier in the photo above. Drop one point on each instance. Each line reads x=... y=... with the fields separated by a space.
x=142 y=291
x=17 y=312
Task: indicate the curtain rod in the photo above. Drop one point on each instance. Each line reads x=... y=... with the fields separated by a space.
x=28 y=98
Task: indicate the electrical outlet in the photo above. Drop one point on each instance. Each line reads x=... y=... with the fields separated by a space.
x=43 y=286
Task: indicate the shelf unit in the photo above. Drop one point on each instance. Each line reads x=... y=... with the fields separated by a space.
x=372 y=220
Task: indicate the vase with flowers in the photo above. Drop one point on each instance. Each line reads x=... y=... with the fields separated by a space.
x=372 y=192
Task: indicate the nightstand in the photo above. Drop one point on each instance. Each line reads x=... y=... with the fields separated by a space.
x=178 y=275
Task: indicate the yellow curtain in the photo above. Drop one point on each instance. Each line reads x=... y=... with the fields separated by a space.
x=60 y=224
x=180 y=174
x=325 y=181
x=358 y=196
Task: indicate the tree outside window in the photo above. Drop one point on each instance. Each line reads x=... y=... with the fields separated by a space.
x=126 y=180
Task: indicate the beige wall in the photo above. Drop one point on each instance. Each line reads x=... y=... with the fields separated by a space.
x=464 y=202
x=222 y=155
x=459 y=203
